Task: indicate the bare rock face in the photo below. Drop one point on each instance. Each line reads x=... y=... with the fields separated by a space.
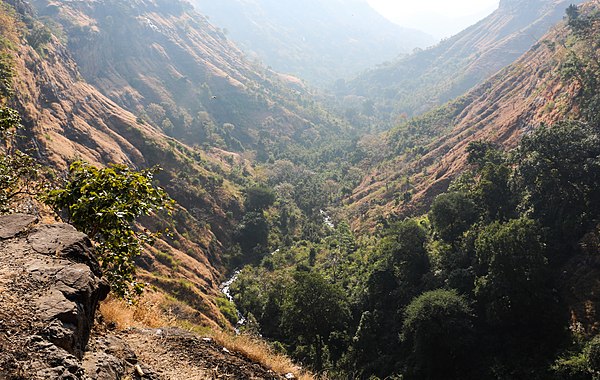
x=50 y=286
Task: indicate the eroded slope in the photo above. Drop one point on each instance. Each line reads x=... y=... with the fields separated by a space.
x=419 y=159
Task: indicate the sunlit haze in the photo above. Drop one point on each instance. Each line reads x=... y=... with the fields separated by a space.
x=440 y=18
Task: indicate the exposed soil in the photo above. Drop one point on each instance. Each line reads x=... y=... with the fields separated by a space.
x=177 y=354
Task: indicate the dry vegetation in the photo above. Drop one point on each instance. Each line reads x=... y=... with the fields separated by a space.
x=259 y=351
x=148 y=313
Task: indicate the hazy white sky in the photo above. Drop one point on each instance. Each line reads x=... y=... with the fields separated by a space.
x=440 y=18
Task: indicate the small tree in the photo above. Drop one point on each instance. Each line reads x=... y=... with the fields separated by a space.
x=438 y=330
x=452 y=214
x=559 y=172
x=314 y=309
x=104 y=204
x=18 y=171
x=259 y=198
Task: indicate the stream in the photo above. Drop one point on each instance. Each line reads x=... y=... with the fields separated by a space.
x=226 y=290
x=226 y=286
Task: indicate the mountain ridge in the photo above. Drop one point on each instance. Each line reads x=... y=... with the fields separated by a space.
x=423 y=155
x=65 y=119
x=320 y=41
x=423 y=80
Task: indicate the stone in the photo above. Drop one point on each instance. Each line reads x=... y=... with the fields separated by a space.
x=12 y=225
x=65 y=241
x=55 y=305
x=103 y=366
x=51 y=287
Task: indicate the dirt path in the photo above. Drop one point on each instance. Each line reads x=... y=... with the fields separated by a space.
x=175 y=354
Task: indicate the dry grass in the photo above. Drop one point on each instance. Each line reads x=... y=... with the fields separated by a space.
x=145 y=313
x=148 y=313
x=260 y=352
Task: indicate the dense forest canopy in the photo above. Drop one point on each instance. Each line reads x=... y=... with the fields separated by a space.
x=476 y=287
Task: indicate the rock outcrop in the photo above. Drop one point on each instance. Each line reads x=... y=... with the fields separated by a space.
x=50 y=286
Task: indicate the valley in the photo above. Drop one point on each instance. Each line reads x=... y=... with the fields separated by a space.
x=264 y=214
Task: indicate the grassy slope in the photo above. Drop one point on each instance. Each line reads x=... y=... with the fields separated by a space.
x=424 y=154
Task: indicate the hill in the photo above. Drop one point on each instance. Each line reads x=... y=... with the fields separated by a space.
x=320 y=41
x=171 y=67
x=65 y=118
x=418 y=159
x=429 y=78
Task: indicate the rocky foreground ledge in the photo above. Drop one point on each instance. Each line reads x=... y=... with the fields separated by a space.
x=50 y=287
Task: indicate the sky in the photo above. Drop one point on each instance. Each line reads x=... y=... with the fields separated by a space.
x=440 y=18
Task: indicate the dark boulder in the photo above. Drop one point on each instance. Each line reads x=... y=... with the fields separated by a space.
x=50 y=286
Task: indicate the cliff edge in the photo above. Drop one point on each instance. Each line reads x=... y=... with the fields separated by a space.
x=50 y=286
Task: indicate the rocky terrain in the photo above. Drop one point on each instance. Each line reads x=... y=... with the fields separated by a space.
x=50 y=287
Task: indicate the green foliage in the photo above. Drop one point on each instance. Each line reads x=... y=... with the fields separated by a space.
x=582 y=64
x=18 y=177
x=259 y=198
x=227 y=308
x=18 y=170
x=253 y=233
x=579 y=23
x=313 y=310
x=405 y=251
x=513 y=271
x=452 y=214
x=10 y=121
x=583 y=363
x=6 y=75
x=438 y=330
x=559 y=171
x=592 y=353
x=104 y=204
x=39 y=36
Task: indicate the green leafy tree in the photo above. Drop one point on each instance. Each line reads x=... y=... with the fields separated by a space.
x=515 y=298
x=512 y=269
x=18 y=170
x=105 y=203
x=392 y=284
x=592 y=354
x=313 y=310
x=259 y=198
x=491 y=187
x=452 y=214
x=559 y=172
x=438 y=331
x=252 y=233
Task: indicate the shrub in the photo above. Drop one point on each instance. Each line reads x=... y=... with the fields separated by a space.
x=105 y=203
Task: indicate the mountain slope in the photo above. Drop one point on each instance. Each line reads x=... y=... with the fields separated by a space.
x=419 y=159
x=166 y=63
x=319 y=41
x=420 y=82
x=65 y=118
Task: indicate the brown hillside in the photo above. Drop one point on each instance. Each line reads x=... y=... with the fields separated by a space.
x=169 y=64
x=66 y=118
x=522 y=96
x=429 y=78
